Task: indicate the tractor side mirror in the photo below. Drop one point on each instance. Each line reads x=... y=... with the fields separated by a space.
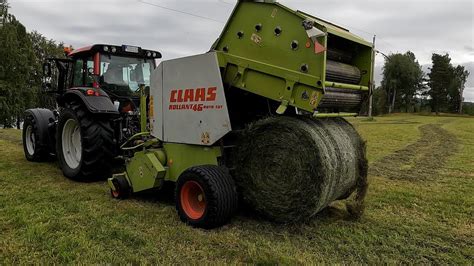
x=47 y=76
x=47 y=70
x=95 y=78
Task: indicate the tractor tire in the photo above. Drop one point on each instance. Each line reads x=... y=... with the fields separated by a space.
x=84 y=143
x=206 y=196
x=35 y=136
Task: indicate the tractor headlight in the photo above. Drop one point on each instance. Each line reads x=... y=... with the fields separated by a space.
x=106 y=49
x=114 y=49
x=148 y=54
x=154 y=54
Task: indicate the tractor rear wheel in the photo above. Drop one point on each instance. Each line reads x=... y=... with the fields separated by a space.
x=84 y=144
x=206 y=196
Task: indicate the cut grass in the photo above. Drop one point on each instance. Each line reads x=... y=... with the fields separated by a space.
x=46 y=218
x=420 y=160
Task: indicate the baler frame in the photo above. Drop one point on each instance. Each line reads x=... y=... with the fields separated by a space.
x=189 y=145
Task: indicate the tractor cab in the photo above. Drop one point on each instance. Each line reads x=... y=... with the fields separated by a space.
x=116 y=70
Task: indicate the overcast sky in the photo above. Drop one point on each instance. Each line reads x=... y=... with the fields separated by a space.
x=422 y=26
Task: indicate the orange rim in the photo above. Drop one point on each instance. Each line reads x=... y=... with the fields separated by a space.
x=193 y=200
x=115 y=193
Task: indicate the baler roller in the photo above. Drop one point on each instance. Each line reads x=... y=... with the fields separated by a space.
x=341 y=98
x=339 y=55
x=343 y=73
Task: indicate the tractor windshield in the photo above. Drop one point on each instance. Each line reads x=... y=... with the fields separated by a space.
x=122 y=76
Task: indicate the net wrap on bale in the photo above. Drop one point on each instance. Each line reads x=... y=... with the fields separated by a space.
x=290 y=168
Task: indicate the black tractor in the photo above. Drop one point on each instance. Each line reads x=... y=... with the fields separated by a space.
x=98 y=96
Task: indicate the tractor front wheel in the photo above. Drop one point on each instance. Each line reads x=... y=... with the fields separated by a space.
x=36 y=136
x=206 y=196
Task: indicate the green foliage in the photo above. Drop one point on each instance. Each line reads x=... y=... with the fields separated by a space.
x=379 y=102
x=468 y=108
x=446 y=84
x=3 y=11
x=21 y=60
x=402 y=81
x=456 y=88
x=43 y=48
x=439 y=81
x=14 y=57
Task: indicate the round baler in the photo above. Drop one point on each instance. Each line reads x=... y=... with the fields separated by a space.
x=257 y=119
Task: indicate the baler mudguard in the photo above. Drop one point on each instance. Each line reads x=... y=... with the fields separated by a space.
x=294 y=58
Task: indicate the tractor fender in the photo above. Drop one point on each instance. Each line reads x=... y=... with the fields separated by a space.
x=95 y=104
x=45 y=124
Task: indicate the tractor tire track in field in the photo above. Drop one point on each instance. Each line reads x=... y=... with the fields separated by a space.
x=420 y=160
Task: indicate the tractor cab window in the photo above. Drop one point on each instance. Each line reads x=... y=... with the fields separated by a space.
x=81 y=78
x=122 y=76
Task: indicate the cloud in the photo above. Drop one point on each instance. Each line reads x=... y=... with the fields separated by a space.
x=469 y=94
x=422 y=26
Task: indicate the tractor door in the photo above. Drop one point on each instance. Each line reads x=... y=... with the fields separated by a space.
x=82 y=72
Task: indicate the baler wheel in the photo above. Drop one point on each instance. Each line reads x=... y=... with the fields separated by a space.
x=193 y=199
x=206 y=196
x=122 y=188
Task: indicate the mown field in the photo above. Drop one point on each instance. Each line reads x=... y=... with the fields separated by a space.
x=419 y=209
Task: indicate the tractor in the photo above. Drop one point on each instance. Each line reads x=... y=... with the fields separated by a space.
x=258 y=120
x=98 y=92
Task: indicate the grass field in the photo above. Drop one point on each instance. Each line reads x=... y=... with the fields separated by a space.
x=419 y=209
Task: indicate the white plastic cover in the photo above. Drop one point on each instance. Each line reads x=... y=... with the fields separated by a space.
x=189 y=104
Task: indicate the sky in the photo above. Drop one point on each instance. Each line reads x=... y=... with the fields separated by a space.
x=421 y=26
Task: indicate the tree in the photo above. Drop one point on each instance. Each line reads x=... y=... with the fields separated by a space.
x=446 y=84
x=439 y=81
x=21 y=58
x=402 y=80
x=3 y=11
x=43 y=48
x=15 y=57
x=379 y=103
x=456 y=88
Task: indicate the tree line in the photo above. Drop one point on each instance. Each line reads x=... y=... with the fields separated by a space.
x=22 y=54
x=406 y=88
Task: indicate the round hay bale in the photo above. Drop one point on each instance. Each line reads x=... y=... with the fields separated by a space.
x=290 y=168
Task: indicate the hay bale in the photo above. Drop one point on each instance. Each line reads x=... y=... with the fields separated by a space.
x=288 y=169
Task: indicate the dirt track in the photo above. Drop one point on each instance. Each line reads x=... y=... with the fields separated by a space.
x=420 y=160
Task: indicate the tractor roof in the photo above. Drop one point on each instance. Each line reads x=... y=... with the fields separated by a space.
x=123 y=50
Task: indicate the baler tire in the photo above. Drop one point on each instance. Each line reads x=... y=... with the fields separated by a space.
x=122 y=188
x=35 y=151
x=220 y=196
x=97 y=144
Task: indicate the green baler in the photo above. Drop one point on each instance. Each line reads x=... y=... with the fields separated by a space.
x=252 y=117
x=294 y=58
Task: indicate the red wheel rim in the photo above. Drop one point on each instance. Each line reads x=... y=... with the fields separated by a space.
x=115 y=193
x=193 y=200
